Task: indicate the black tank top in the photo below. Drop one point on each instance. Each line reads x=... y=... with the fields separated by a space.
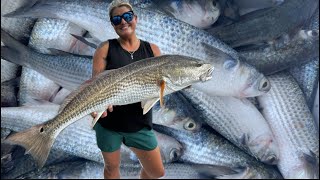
x=126 y=118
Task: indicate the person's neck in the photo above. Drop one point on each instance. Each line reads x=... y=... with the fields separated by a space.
x=129 y=44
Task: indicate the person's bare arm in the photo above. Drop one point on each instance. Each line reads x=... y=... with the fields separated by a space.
x=155 y=49
x=99 y=65
x=99 y=58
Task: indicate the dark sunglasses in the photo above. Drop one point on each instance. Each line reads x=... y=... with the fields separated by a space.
x=127 y=16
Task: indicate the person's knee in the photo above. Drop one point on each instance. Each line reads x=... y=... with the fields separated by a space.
x=111 y=168
x=157 y=173
x=111 y=162
x=160 y=173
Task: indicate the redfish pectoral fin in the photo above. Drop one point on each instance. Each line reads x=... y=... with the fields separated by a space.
x=148 y=104
x=162 y=85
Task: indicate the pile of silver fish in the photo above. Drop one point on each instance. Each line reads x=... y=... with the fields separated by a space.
x=234 y=95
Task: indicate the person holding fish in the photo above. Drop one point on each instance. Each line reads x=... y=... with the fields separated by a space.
x=126 y=124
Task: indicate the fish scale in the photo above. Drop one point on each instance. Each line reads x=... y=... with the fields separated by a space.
x=19 y=28
x=307 y=75
x=83 y=169
x=79 y=139
x=229 y=127
x=68 y=71
x=57 y=63
x=303 y=47
x=176 y=71
x=266 y=24
x=201 y=14
x=171 y=35
x=154 y=27
x=248 y=131
x=177 y=113
x=9 y=70
x=34 y=85
x=123 y=80
x=281 y=92
x=55 y=33
x=205 y=147
x=293 y=126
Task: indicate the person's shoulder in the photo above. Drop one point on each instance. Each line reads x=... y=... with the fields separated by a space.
x=102 y=49
x=155 y=48
x=103 y=45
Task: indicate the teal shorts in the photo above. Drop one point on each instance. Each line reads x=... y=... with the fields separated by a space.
x=110 y=141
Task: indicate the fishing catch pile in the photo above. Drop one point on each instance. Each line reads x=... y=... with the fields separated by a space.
x=240 y=101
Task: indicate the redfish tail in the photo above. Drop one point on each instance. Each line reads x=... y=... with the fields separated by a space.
x=36 y=142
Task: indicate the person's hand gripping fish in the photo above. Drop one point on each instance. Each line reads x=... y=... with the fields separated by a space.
x=96 y=116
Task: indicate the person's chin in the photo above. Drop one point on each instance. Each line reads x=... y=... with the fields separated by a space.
x=125 y=33
x=124 y=29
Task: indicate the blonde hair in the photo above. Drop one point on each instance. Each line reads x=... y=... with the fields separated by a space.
x=118 y=3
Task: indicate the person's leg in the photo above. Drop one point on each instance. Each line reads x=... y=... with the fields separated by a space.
x=109 y=142
x=145 y=145
x=111 y=164
x=151 y=162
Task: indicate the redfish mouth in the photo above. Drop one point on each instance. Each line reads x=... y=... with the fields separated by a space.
x=207 y=75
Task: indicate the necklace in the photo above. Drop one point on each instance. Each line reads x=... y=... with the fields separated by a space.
x=131 y=53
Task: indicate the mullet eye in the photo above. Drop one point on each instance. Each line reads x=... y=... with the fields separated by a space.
x=214 y=3
x=229 y=64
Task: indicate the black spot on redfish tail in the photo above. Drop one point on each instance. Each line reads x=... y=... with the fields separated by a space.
x=36 y=142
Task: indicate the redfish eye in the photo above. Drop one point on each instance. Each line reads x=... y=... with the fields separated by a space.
x=199 y=65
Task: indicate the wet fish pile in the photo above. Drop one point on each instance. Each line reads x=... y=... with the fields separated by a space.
x=251 y=111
